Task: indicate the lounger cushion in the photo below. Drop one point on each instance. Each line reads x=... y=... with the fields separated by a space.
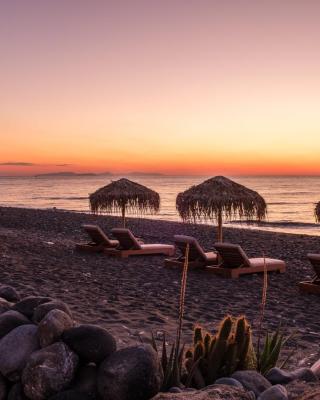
x=196 y=252
x=259 y=262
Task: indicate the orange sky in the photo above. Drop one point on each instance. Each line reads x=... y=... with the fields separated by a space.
x=200 y=87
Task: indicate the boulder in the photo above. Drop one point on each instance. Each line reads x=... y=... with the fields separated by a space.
x=252 y=380
x=27 y=305
x=316 y=369
x=214 y=392
x=92 y=343
x=15 y=349
x=279 y=376
x=3 y=388
x=85 y=380
x=52 y=326
x=49 y=371
x=70 y=395
x=133 y=373
x=10 y=320
x=43 y=309
x=9 y=293
x=5 y=305
x=277 y=392
x=16 y=392
x=229 y=382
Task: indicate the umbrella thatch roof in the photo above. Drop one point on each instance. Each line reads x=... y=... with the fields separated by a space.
x=220 y=195
x=124 y=193
x=317 y=212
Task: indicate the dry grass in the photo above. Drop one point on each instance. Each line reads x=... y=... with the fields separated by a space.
x=125 y=194
x=218 y=196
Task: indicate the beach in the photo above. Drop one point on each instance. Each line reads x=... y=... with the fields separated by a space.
x=132 y=297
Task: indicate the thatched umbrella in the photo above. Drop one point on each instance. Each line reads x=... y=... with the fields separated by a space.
x=220 y=197
x=317 y=212
x=124 y=195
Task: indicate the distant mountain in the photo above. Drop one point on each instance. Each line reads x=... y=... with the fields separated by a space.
x=63 y=174
x=105 y=173
x=145 y=173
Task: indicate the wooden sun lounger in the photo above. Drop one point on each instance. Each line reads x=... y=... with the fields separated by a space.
x=312 y=286
x=197 y=257
x=131 y=246
x=99 y=240
x=235 y=262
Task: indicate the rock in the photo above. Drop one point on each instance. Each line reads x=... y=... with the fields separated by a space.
x=175 y=389
x=277 y=375
x=316 y=369
x=252 y=380
x=215 y=392
x=52 y=326
x=4 y=305
x=43 y=309
x=49 y=371
x=85 y=380
x=277 y=392
x=15 y=349
x=133 y=373
x=229 y=382
x=3 y=388
x=11 y=319
x=9 y=293
x=92 y=343
x=16 y=392
x=70 y=395
x=28 y=304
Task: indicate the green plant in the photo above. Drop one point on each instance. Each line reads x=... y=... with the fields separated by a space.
x=271 y=352
x=214 y=356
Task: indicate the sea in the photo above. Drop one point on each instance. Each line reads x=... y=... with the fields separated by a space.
x=290 y=199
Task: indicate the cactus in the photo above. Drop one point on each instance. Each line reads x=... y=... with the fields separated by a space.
x=214 y=356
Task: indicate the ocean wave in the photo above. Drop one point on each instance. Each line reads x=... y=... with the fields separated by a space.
x=60 y=198
x=293 y=224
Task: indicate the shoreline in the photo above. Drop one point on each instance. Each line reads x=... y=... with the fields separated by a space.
x=133 y=296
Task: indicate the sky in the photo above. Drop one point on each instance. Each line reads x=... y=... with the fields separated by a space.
x=170 y=86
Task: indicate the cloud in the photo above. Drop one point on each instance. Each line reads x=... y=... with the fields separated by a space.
x=63 y=165
x=18 y=163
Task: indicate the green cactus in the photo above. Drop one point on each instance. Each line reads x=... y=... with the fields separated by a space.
x=213 y=356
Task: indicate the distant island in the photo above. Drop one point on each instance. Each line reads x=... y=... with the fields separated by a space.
x=145 y=173
x=64 y=174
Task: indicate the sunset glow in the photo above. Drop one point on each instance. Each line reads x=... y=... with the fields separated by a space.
x=176 y=87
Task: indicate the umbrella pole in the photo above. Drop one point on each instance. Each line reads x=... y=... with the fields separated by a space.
x=123 y=216
x=220 y=237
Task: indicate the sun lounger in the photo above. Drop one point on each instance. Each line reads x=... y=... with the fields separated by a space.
x=99 y=240
x=312 y=286
x=197 y=257
x=235 y=262
x=130 y=245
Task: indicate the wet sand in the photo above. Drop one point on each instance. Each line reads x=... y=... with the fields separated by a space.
x=133 y=296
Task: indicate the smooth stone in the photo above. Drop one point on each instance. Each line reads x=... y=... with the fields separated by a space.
x=91 y=342
x=229 y=381
x=15 y=349
x=86 y=380
x=71 y=395
x=49 y=371
x=175 y=389
x=133 y=373
x=27 y=305
x=10 y=320
x=3 y=388
x=311 y=395
x=52 y=326
x=277 y=392
x=279 y=376
x=214 y=392
x=316 y=369
x=16 y=392
x=43 y=309
x=252 y=380
x=5 y=305
x=9 y=293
